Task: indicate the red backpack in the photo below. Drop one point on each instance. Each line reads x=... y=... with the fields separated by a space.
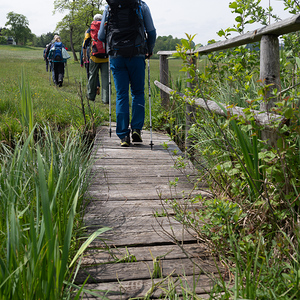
x=98 y=47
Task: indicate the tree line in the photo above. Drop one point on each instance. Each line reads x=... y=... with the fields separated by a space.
x=22 y=35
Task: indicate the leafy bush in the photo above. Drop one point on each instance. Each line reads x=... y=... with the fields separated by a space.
x=251 y=222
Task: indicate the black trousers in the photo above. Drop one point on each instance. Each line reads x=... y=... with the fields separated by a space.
x=58 y=72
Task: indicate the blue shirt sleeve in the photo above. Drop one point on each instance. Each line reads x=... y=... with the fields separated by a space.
x=149 y=27
x=101 y=32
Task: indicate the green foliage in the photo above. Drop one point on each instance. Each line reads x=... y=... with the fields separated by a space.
x=249 y=12
x=18 y=27
x=41 y=189
x=3 y=40
x=165 y=43
x=78 y=19
x=43 y=40
x=251 y=221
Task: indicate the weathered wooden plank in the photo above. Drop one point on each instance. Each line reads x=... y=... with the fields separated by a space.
x=166 y=158
x=112 y=174
x=136 y=229
x=148 y=194
x=126 y=221
x=149 y=232
x=135 y=208
x=143 y=270
x=145 y=183
x=113 y=177
x=143 y=169
x=139 y=239
x=121 y=158
x=146 y=253
x=201 y=285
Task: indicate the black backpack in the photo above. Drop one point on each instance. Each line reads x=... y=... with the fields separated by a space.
x=125 y=32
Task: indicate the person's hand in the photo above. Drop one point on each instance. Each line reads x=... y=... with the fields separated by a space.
x=85 y=59
x=148 y=55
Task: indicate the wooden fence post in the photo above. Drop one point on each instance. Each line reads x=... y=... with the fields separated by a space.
x=164 y=78
x=269 y=68
x=269 y=74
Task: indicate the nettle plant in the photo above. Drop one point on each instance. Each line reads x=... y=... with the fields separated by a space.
x=251 y=222
x=240 y=164
x=255 y=185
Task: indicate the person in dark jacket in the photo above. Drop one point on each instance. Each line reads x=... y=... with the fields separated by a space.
x=45 y=57
x=58 y=67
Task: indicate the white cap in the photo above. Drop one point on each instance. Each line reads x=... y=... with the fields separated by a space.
x=97 y=17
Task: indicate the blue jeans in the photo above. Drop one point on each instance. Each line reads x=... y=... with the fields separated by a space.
x=129 y=71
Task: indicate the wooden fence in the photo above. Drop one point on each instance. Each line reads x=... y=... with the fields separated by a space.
x=269 y=69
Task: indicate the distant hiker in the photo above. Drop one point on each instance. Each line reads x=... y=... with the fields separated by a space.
x=98 y=60
x=57 y=56
x=86 y=63
x=45 y=57
x=127 y=28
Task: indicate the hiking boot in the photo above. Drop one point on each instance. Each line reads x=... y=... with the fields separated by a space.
x=125 y=142
x=136 y=136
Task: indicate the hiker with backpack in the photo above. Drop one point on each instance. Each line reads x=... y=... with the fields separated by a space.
x=57 y=56
x=127 y=28
x=45 y=56
x=85 y=47
x=98 y=59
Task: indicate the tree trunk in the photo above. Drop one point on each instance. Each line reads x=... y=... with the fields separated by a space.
x=71 y=43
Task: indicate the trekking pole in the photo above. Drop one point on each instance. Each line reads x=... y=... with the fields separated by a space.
x=67 y=72
x=109 y=97
x=151 y=143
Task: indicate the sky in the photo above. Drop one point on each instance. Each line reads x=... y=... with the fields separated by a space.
x=171 y=17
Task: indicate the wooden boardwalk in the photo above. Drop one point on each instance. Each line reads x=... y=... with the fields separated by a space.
x=128 y=194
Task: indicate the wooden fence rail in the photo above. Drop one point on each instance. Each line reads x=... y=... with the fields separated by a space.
x=262 y=118
x=269 y=68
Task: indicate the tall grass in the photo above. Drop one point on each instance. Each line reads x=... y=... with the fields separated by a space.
x=41 y=206
x=42 y=185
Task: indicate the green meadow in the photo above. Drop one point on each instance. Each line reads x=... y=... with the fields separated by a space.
x=59 y=107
